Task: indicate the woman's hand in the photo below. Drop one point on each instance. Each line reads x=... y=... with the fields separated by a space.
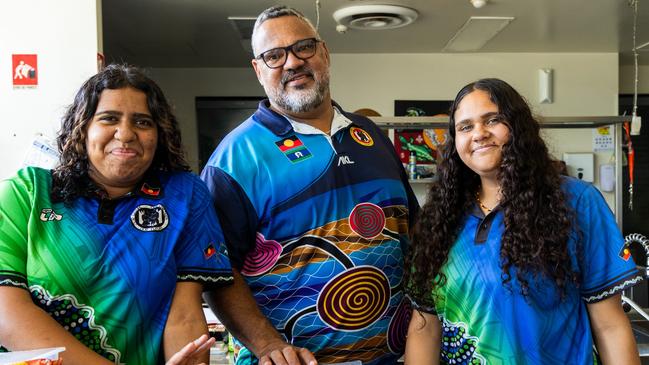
x=192 y=352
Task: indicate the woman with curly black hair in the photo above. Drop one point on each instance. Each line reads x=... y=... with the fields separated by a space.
x=108 y=253
x=511 y=262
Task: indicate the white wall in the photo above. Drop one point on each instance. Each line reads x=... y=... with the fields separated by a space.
x=64 y=35
x=584 y=84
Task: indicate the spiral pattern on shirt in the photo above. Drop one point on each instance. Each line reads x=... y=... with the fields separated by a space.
x=398 y=328
x=354 y=299
x=367 y=220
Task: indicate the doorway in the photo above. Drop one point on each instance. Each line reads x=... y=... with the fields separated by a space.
x=216 y=117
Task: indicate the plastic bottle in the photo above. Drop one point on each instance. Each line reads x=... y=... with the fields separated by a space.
x=412 y=166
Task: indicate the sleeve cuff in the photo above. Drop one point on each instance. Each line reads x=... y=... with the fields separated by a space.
x=13 y=278
x=616 y=287
x=210 y=280
x=421 y=307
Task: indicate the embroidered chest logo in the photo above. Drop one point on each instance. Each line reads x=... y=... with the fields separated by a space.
x=48 y=214
x=345 y=160
x=149 y=218
x=294 y=149
x=361 y=137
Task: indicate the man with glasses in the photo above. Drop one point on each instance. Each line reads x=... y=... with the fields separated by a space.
x=315 y=207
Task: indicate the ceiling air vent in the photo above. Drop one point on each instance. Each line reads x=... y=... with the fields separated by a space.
x=243 y=26
x=375 y=17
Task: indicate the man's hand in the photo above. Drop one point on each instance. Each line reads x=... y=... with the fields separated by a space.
x=282 y=353
x=190 y=354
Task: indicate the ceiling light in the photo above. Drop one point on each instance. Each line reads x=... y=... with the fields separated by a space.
x=476 y=32
x=478 y=3
x=375 y=17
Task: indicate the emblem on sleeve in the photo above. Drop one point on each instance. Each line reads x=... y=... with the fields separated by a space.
x=625 y=253
x=149 y=218
x=209 y=251
x=361 y=136
x=48 y=214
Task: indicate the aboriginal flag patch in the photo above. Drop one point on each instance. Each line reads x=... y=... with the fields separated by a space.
x=149 y=190
x=293 y=149
x=625 y=253
x=209 y=251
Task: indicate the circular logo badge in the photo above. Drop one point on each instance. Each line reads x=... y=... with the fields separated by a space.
x=361 y=137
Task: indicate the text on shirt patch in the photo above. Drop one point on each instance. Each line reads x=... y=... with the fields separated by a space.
x=149 y=218
x=345 y=160
x=48 y=214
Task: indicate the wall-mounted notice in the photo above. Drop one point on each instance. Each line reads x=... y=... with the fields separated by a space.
x=603 y=139
x=24 y=70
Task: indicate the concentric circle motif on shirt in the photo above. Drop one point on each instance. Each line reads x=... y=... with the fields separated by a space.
x=367 y=220
x=398 y=328
x=262 y=258
x=354 y=299
x=361 y=136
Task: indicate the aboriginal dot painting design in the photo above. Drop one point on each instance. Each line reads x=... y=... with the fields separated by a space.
x=398 y=328
x=354 y=299
x=262 y=258
x=458 y=347
x=367 y=220
x=77 y=319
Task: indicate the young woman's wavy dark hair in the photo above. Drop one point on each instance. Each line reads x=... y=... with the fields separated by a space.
x=70 y=178
x=537 y=220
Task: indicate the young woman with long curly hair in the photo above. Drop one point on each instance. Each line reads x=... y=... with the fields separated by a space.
x=511 y=262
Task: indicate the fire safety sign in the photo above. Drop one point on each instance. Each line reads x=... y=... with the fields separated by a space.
x=24 y=70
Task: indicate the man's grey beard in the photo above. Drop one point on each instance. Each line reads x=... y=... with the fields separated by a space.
x=301 y=100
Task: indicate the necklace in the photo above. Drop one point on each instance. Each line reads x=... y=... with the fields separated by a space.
x=477 y=198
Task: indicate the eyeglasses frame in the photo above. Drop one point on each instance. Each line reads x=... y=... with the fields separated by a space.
x=288 y=49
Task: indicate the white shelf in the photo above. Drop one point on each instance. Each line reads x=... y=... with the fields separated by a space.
x=545 y=122
x=427 y=180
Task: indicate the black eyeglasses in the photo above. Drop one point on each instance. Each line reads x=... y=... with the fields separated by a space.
x=276 y=57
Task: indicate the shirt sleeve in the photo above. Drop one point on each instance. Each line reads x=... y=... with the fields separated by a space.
x=236 y=213
x=15 y=206
x=201 y=255
x=605 y=268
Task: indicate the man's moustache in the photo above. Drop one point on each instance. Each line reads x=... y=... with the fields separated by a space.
x=288 y=75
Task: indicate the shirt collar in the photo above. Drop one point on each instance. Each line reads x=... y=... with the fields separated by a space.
x=338 y=122
x=149 y=187
x=280 y=124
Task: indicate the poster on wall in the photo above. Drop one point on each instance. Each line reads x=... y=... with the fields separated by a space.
x=423 y=142
x=24 y=69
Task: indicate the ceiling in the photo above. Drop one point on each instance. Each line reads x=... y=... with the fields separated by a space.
x=197 y=33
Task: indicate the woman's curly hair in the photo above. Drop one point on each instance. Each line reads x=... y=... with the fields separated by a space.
x=537 y=220
x=70 y=178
